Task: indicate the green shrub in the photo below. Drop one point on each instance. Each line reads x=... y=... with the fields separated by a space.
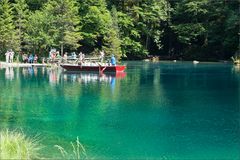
x=15 y=145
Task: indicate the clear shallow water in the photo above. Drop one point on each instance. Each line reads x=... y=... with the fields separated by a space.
x=158 y=110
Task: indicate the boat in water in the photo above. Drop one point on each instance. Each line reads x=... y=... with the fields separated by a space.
x=93 y=68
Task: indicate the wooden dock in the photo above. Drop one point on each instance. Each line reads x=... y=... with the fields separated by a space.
x=4 y=64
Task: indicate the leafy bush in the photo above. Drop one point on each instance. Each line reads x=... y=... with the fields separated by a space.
x=133 y=50
x=15 y=145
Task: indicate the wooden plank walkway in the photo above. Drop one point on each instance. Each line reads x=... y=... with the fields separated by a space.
x=4 y=64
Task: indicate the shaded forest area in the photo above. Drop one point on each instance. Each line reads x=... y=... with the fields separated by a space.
x=132 y=29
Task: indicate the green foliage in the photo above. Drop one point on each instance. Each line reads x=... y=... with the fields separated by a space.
x=35 y=4
x=140 y=25
x=189 y=17
x=131 y=47
x=188 y=33
x=134 y=50
x=65 y=22
x=112 y=42
x=94 y=24
x=20 y=15
x=15 y=145
x=40 y=32
x=210 y=27
x=95 y=21
x=149 y=16
x=203 y=29
x=8 y=34
x=231 y=36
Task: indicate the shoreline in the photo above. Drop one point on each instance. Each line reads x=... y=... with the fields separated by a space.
x=189 y=61
x=15 y=64
x=5 y=64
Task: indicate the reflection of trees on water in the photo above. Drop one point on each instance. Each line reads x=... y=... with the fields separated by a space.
x=143 y=79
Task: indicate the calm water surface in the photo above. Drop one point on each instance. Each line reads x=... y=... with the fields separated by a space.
x=157 y=110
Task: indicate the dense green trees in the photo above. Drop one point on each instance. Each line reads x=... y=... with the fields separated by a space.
x=65 y=22
x=96 y=23
x=187 y=29
x=140 y=25
x=40 y=34
x=20 y=16
x=206 y=29
x=8 y=34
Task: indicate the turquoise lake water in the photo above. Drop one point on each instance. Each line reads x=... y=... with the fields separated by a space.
x=156 y=111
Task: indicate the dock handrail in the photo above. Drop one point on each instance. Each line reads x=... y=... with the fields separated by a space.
x=68 y=60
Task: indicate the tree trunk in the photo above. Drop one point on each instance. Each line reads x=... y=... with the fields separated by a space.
x=206 y=40
x=62 y=49
x=34 y=50
x=40 y=52
x=147 y=42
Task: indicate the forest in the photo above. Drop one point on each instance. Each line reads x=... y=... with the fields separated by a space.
x=130 y=29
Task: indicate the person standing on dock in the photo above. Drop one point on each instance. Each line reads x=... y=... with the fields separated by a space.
x=65 y=57
x=80 y=58
x=24 y=58
x=11 y=55
x=35 y=58
x=101 y=57
x=7 y=56
x=30 y=58
x=113 y=61
x=74 y=56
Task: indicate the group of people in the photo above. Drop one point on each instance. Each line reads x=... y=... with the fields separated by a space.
x=9 y=56
x=80 y=57
x=55 y=54
x=30 y=58
x=25 y=58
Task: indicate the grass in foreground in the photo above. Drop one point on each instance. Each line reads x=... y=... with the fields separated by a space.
x=15 y=145
x=78 y=151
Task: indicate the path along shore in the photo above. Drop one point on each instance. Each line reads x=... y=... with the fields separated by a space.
x=4 y=64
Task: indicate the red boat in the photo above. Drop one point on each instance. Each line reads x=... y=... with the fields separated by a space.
x=94 y=68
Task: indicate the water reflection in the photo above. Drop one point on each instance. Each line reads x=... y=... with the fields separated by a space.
x=92 y=77
x=56 y=76
x=29 y=71
x=157 y=109
x=9 y=73
x=236 y=68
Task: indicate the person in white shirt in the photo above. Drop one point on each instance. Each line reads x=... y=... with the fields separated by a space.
x=11 y=55
x=102 y=54
x=7 y=56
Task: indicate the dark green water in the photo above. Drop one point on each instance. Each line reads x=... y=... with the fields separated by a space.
x=158 y=110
